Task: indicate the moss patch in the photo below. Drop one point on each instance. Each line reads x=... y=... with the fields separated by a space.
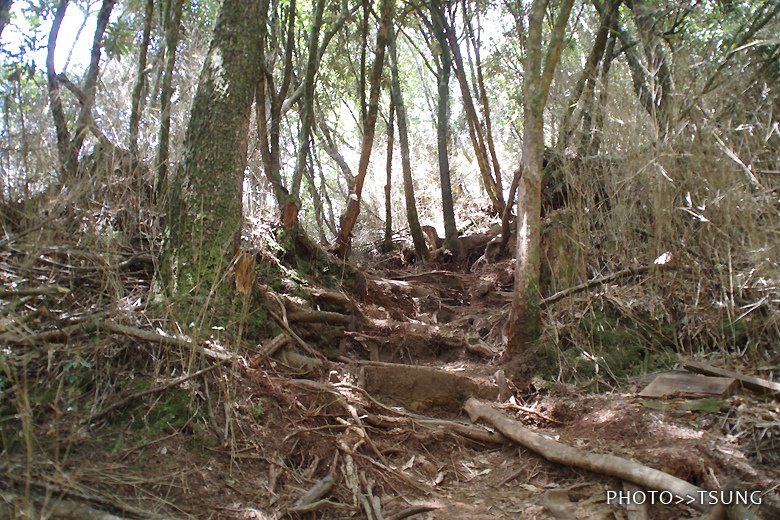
x=173 y=410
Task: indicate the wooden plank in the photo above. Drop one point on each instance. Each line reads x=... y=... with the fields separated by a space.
x=753 y=383
x=688 y=385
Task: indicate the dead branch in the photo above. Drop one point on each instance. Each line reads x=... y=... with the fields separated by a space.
x=279 y=341
x=305 y=346
x=410 y=511
x=316 y=492
x=146 y=335
x=319 y=317
x=623 y=273
x=77 y=500
x=560 y=453
x=33 y=291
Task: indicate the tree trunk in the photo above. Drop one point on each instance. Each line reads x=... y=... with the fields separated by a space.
x=597 y=131
x=389 y=183
x=307 y=109
x=485 y=107
x=173 y=9
x=474 y=124
x=660 y=76
x=316 y=198
x=270 y=102
x=333 y=152
x=55 y=100
x=418 y=238
x=451 y=240
x=69 y=147
x=523 y=326
x=205 y=200
x=136 y=106
x=587 y=75
x=5 y=14
x=348 y=219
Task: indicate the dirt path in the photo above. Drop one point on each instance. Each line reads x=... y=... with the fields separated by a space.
x=375 y=429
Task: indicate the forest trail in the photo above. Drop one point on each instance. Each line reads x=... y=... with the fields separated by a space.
x=374 y=427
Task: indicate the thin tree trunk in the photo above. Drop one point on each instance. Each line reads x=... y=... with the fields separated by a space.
x=658 y=62
x=486 y=113
x=269 y=126
x=136 y=106
x=361 y=86
x=418 y=238
x=68 y=146
x=451 y=240
x=333 y=152
x=588 y=73
x=330 y=219
x=639 y=74
x=523 y=325
x=506 y=217
x=205 y=199
x=5 y=14
x=263 y=106
x=172 y=23
x=389 y=182
x=316 y=198
x=348 y=219
x=55 y=99
x=307 y=110
x=474 y=124
x=597 y=130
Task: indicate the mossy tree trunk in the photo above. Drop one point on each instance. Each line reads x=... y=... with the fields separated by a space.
x=523 y=326
x=205 y=198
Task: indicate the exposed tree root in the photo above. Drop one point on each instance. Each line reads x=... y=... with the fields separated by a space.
x=604 y=464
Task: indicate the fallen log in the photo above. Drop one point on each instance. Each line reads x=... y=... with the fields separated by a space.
x=605 y=464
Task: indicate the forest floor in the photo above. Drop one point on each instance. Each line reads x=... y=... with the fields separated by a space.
x=376 y=430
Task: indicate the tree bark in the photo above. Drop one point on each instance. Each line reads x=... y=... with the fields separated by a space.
x=136 y=106
x=55 y=99
x=69 y=147
x=444 y=64
x=523 y=326
x=205 y=200
x=588 y=73
x=270 y=102
x=5 y=14
x=307 y=109
x=333 y=152
x=596 y=132
x=472 y=119
x=348 y=219
x=389 y=182
x=485 y=107
x=418 y=238
x=173 y=10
